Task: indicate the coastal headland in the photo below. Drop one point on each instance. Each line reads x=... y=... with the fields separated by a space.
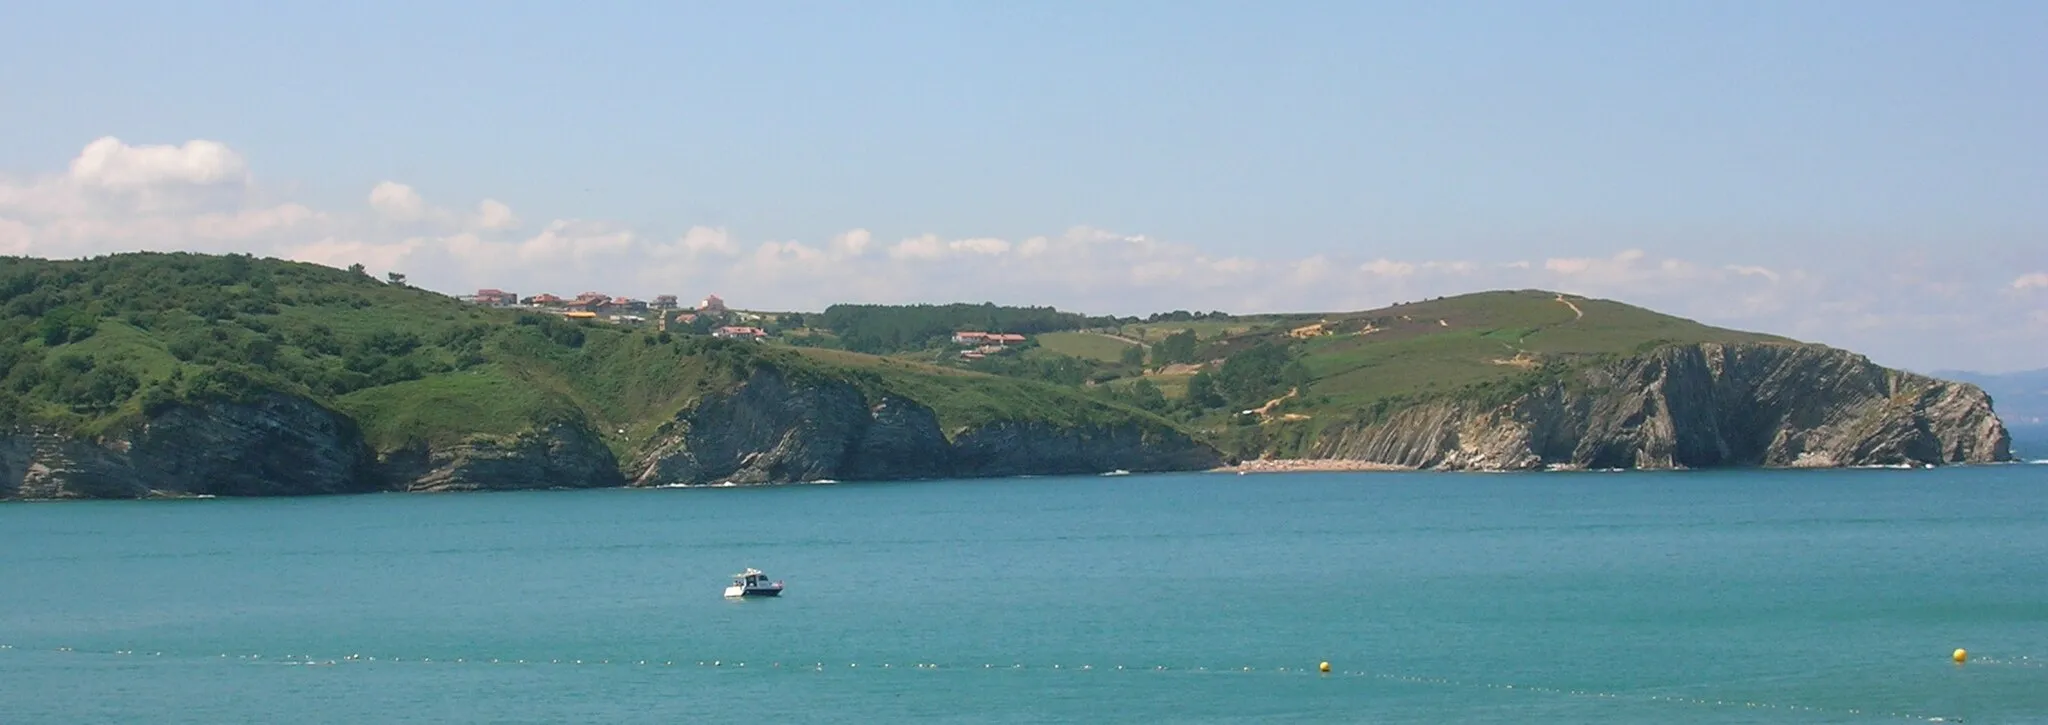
x=143 y=375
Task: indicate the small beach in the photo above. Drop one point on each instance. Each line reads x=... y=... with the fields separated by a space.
x=1308 y=465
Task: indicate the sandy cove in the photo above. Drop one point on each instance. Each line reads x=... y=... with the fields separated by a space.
x=1305 y=465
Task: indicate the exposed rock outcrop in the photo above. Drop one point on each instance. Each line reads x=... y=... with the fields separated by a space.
x=283 y=445
x=771 y=430
x=1696 y=406
x=279 y=445
x=562 y=455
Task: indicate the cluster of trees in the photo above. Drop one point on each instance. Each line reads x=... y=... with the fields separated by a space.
x=1184 y=316
x=897 y=328
x=1142 y=394
x=1178 y=347
x=1248 y=379
x=237 y=325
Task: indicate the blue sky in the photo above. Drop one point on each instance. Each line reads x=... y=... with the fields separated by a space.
x=1870 y=175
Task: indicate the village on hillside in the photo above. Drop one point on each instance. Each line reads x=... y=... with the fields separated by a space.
x=711 y=315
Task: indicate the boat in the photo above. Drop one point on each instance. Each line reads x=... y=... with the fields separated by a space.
x=752 y=583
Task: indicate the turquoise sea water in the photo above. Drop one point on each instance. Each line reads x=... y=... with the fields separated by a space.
x=1699 y=597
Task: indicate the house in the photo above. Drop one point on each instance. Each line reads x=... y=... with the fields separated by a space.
x=986 y=338
x=580 y=315
x=737 y=332
x=664 y=302
x=545 y=300
x=1308 y=331
x=712 y=304
x=628 y=303
x=495 y=297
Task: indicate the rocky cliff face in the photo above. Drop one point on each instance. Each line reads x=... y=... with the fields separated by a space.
x=562 y=455
x=1697 y=406
x=771 y=430
x=286 y=446
x=280 y=445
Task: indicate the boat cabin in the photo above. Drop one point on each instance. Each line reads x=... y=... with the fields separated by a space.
x=752 y=583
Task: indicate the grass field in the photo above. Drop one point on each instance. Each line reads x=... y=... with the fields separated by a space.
x=1086 y=345
x=1448 y=344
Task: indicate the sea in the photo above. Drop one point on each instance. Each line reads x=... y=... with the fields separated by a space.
x=1589 y=597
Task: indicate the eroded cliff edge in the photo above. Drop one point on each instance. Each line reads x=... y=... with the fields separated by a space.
x=1694 y=406
x=766 y=429
x=276 y=445
x=772 y=429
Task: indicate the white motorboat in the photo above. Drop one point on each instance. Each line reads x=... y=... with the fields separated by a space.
x=752 y=583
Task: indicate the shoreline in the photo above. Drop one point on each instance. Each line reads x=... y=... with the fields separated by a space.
x=1309 y=465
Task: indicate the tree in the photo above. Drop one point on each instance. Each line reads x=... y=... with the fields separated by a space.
x=396 y=279
x=1147 y=395
x=1250 y=377
x=1202 y=392
x=1178 y=347
x=1134 y=356
x=357 y=268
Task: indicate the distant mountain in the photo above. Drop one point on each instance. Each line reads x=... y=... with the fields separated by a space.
x=2021 y=398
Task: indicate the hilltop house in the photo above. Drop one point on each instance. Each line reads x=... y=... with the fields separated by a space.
x=664 y=302
x=495 y=298
x=977 y=339
x=734 y=332
x=544 y=300
x=712 y=304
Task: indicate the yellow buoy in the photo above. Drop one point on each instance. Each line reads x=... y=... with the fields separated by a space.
x=1326 y=666
x=1962 y=655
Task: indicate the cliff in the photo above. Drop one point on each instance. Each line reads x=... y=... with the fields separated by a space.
x=560 y=455
x=771 y=429
x=274 y=445
x=1693 y=406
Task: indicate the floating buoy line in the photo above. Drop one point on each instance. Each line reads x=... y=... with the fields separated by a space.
x=1322 y=670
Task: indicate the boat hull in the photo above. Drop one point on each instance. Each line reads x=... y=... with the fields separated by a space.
x=739 y=592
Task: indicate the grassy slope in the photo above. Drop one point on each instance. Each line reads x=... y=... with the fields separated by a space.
x=471 y=370
x=1086 y=345
x=1455 y=342
x=1464 y=345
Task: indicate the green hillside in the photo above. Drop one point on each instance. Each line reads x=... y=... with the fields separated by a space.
x=1318 y=369
x=94 y=345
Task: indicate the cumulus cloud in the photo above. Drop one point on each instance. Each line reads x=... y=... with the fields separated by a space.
x=109 y=163
x=201 y=195
x=396 y=201
x=494 y=214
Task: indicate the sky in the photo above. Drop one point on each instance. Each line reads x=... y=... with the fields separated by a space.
x=1869 y=175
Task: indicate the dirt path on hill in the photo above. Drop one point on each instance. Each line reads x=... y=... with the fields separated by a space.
x=1266 y=411
x=1578 y=314
x=1121 y=338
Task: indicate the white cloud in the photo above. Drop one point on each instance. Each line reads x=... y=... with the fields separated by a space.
x=493 y=214
x=1388 y=268
x=397 y=202
x=705 y=240
x=199 y=196
x=109 y=163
